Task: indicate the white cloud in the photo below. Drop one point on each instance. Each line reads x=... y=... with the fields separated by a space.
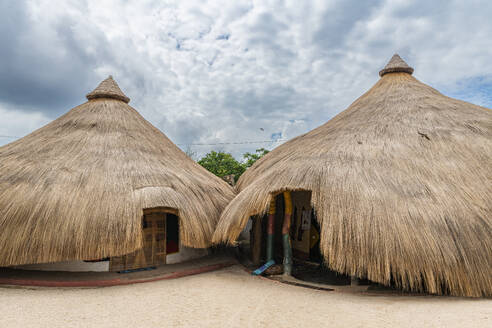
x=16 y=123
x=215 y=71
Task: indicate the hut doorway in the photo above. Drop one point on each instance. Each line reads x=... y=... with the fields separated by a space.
x=304 y=234
x=303 y=231
x=160 y=234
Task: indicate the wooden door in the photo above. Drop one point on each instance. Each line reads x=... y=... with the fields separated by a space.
x=155 y=242
x=153 y=252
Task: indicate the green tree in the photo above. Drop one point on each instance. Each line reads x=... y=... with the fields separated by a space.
x=222 y=164
x=251 y=158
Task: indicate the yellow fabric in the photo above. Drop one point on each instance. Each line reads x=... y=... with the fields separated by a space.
x=272 y=206
x=288 y=202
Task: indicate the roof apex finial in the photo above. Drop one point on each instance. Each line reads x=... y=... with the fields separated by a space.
x=108 y=89
x=396 y=65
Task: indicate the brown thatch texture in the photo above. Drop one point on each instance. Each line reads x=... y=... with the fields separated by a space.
x=75 y=188
x=401 y=185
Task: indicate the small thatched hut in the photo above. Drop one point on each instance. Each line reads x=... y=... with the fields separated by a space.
x=400 y=183
x=102 y=182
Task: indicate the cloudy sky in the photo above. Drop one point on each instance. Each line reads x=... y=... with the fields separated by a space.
x=211 y=72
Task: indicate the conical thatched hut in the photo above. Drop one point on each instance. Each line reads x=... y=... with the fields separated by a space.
x=400 y=183
x=101 y=181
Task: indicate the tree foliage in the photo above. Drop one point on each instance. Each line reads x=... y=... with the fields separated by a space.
x=222 y=163
x=251 y=158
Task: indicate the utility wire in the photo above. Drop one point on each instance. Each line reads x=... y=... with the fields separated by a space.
x=232 y=143
x=205 y=144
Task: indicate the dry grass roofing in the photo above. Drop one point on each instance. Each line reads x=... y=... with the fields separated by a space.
x=75 y=188
x=401 y=184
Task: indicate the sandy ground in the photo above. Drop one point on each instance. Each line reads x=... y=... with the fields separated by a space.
x=231 y=298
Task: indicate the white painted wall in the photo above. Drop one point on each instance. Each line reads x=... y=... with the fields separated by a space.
x=186 y=254
x=74 y=266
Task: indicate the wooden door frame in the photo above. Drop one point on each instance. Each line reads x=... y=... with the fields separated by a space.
x=164 y=210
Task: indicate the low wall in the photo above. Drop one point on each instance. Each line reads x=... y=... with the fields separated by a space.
x=73 y=266
x=186 y=254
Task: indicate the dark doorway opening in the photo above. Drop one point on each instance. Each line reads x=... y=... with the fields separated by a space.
x=172 y=233
x=305 y=236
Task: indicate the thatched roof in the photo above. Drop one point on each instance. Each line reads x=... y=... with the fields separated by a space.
x=108 y=89
x=75 y=188
x=396 y=65
x=401 y=184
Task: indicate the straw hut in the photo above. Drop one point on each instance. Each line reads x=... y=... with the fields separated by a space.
x=399 y=183
x=101 y=182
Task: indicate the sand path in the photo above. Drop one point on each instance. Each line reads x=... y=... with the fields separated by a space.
x=231 y=298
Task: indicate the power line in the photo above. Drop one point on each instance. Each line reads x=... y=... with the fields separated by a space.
x=232 y=143
x=203 y=144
